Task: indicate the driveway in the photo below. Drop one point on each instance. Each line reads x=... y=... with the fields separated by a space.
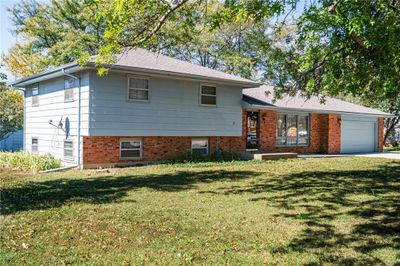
x=386 y=155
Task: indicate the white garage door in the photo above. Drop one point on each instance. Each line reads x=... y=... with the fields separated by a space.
x=358 y=135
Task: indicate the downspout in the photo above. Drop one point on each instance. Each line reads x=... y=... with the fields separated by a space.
x=79 y=114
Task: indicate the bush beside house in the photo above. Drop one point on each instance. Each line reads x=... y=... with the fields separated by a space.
x=23 y=161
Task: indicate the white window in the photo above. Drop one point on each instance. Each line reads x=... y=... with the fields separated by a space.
x=69 y=85
x=292 y=130
x=68 y=150
x=138 y=89
x=35 y=146
x=131 y=149
x=200 y=146
x=208 y=95
x=35 y=96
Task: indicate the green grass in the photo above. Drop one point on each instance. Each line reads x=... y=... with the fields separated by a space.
x=305 y=211
x=392 y=149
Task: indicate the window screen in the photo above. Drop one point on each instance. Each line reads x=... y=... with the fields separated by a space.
x=281 y=130
x=138 y=89
x=303 y=130
x=35 y=96
x=131 y=149
x=35 y=146
x=200 y=146
x=208 y=95
x=68 y=149
x=292 y=129
x=69 y=85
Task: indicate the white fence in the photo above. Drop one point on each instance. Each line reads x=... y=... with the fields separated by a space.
x=13 y=142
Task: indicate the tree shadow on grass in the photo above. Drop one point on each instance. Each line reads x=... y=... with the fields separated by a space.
x=325 y=201
x=100 y=190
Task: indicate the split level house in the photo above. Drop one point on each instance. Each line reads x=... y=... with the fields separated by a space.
x=151 y=107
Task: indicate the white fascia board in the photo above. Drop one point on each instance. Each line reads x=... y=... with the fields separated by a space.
x=248 y=106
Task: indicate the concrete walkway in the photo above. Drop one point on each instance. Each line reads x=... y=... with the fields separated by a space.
x=386 y=155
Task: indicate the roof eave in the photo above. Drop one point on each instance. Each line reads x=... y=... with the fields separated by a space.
x=73 y=67
x=243 y=84
x=45 y=75
x=306 y=110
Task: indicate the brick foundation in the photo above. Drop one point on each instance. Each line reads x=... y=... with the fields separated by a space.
x=106 y=151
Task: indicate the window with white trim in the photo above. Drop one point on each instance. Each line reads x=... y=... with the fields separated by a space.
x=208 y=95
x=292 y=130
x=68 y=150
x=200 y=146
x=35 y=96
x=131 y=149
x=35 y=146
x=69 y=85
x=138 y=89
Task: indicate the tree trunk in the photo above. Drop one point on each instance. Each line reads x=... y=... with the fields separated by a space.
x=390 y=125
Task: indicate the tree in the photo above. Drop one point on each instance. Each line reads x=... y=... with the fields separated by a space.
x=348 y=47
x=11 y=109
x=392 y=106
x=229 y=48
x=207 y=32
x=52 y=33
x=336 y=48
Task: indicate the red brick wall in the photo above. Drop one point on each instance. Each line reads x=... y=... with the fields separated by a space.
x=324 y=134
x=334 y=134
x=324 y=138
x=105 y=150
x=380 y=134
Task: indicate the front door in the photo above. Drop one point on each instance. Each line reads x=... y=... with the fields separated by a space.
x=252 y=130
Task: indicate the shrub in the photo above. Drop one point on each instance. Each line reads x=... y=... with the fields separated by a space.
x=217 y=156
x=25 y=161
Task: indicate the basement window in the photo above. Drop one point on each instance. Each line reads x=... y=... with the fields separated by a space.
x=208 y=95
x=35 y=146
x=131 y=149
x=138 y=89
x=69 y=85
x=35 y=96
x=200 y=146
x=68 y=150
x=292 y=130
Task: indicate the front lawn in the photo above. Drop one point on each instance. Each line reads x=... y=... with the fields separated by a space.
x=302 y=211
x=392 y=149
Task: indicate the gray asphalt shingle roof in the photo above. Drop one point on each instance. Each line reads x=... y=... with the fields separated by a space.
x=264 y=96
x=146 y=60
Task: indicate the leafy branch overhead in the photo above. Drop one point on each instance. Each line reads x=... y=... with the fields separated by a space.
x=61 y=31
x=346 y=48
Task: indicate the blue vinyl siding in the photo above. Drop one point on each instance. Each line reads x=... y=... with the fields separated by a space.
x=173 y=109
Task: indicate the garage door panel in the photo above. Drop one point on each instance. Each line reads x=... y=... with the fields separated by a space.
x=357 y=136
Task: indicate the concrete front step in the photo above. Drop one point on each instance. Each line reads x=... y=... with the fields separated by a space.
x=273 y=155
